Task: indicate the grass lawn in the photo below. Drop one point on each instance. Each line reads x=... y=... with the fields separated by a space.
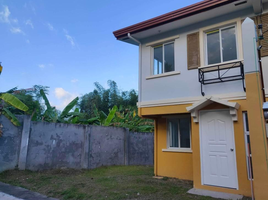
x=109 y=183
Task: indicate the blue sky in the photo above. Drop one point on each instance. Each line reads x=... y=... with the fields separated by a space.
x=69 y=45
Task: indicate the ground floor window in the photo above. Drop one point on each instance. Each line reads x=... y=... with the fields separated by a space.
x=248 y=147
x=179 y=129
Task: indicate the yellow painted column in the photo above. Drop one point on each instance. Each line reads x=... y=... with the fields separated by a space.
x=257 y=135
x=155 y=145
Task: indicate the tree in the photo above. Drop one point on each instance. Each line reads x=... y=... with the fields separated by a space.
x=106 y=99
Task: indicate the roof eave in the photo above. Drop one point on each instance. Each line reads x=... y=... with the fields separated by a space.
x=182 y=13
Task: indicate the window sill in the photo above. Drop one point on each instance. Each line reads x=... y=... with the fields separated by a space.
x=163 y=75
x=222 y=63
x=178 y=150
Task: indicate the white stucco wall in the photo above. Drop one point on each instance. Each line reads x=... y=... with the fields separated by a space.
x=186 y=84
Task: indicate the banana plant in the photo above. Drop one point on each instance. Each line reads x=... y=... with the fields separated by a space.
x=51 y=114
x=106 y=120
x=77 y=117
x=9 y=99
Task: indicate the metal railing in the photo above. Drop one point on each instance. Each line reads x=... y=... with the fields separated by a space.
x=221 y=74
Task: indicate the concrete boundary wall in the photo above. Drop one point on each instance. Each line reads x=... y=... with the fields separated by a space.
x=43 y=145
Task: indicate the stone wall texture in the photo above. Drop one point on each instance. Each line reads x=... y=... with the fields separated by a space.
x=43 y=145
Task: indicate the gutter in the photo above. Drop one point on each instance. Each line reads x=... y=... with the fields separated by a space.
x=140 y=64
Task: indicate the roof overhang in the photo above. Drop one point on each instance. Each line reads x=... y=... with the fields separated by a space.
x=187 y=16
x=194 y=109
x=257 y=6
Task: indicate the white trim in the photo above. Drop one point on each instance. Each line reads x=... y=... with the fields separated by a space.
x=202 y=34
x=223 y=63
x=206 y=101
x=246 y=133
x=190 y=100
x=200 y=143
x=162 y=45
x=178 y=150
x=194 y=109
x=266 y=92
x=179 y=144
x=220 y=41
x=163 y=75
x=169 y=39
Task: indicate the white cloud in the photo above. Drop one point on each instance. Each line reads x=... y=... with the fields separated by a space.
x=64 y=97
x=42 y=66
x=5 y=18
x=69 y=38
x=74 y=80
x=29 y=22
x=50 y=27
x=16 y=30
x=4 y=15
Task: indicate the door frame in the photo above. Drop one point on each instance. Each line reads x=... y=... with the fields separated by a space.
x=201 y=147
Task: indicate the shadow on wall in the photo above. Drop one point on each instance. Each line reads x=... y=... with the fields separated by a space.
x=43 y=145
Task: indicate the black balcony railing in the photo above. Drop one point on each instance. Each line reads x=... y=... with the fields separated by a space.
x=223 y=72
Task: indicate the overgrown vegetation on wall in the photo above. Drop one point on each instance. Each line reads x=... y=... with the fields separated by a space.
x=105 y=107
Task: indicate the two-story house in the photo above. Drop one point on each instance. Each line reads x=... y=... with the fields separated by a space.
x=200 y=79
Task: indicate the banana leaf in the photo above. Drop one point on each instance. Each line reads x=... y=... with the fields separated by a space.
x=69 y=107
x=93 y=120
x=12 y=90
x=102 y=117
x=110 y=116
x=11 y=117
x=46 y=100
x=14 y=101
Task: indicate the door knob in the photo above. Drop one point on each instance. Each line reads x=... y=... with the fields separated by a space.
x=231 y=149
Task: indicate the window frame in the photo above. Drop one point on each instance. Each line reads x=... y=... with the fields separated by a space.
x=179 y=144
x=163 y=57
x=220 y=38
x=246 y=133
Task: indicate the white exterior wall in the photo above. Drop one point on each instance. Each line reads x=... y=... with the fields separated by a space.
x=185 y=86
x=265 y=73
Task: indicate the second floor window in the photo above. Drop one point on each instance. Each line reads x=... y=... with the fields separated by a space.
x=221 y=45
x=163 y=58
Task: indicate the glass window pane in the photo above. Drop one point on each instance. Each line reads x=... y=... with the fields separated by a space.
x=158 y=60
x=169 y=57
x=173 y=133
x=185 y=132
x=213 y=47
x=246 y=121
x=228 y=44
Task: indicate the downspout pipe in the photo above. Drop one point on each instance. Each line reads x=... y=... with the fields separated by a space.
x=140 y=64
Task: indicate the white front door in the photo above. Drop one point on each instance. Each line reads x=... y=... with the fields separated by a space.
x=217 y=145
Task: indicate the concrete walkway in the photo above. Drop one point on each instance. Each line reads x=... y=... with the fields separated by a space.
x=9 y=192
x=218 y=195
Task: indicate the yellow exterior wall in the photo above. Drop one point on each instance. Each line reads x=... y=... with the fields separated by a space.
x=171 y=164
x=187 y=165
x=257 y=135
